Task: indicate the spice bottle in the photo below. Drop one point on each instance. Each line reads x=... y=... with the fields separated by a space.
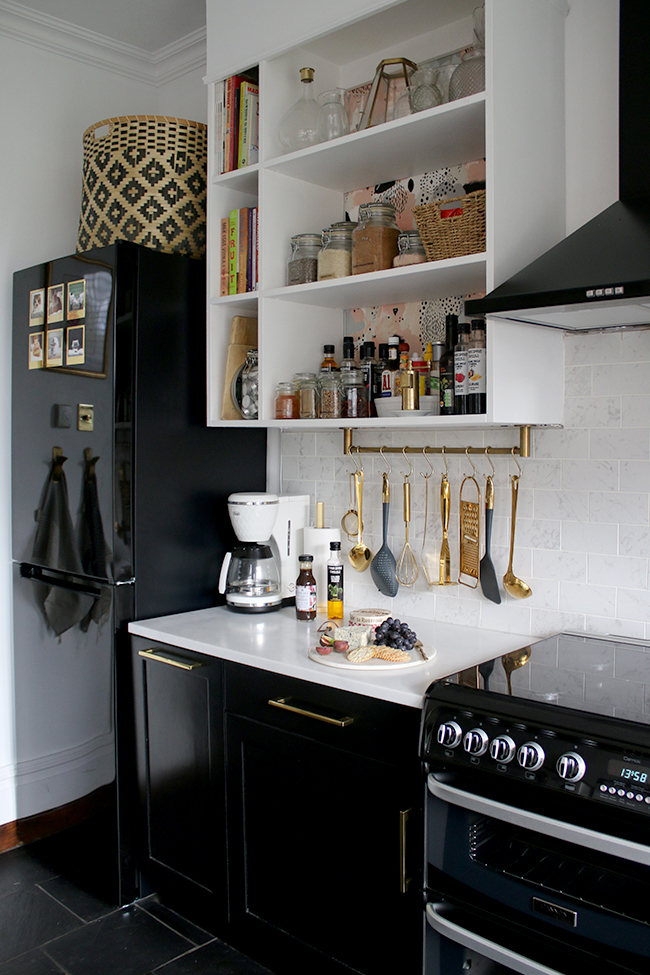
x=374 y=242
x=329 y=362
x=305 y=589
x=286 y=402
x=335 y=255
x=307 y=395
x=303 y=263
x=461 y=365
x=348 y=361
x=330 y=396
x=354 y=401
x=447 y=368
x=476 y=368
x=335 y=583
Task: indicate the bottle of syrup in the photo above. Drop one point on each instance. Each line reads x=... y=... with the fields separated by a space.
x=305 y=589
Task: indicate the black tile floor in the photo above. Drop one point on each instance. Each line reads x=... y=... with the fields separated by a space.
x=49 y=926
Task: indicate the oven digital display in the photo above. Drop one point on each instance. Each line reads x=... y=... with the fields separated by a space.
x=634 y=773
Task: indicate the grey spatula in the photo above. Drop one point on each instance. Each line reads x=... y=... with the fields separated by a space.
x=488 y=576
x=382 y=567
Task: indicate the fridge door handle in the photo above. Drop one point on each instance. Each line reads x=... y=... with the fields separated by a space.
x=37 y=574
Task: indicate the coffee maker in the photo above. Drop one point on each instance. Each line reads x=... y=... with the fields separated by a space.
x=259 y=575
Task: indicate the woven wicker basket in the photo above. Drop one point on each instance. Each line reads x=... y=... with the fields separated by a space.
x=144 y=180
x=452 y=236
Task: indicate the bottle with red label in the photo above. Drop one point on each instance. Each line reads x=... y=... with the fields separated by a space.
x=306 y=589
x=461 y=370
x=476 y=371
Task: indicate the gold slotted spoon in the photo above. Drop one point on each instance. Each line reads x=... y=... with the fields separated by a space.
x=424 y=557
x=407 y=571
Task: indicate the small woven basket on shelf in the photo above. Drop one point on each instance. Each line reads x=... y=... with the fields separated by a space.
x=452 y=236
x=145 y=180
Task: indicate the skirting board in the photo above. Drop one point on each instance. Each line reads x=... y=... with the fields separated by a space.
x=44 y=824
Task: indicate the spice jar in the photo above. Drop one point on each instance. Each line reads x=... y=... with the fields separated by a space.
x=330 y=396
x=303 y=263
x=374 y=242
x=286 y=402
x=250 y=386
x=335 y=256
x=307 y=395
x=354 y=395
x=411 y=249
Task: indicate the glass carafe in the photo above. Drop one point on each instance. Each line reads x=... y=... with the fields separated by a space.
x=297 y=128
x=469 y=76
x=253 y=571
x=332 y=119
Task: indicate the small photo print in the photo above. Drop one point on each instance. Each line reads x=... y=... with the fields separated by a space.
x=76 y=299
x=36 y=350
x=75 y=354
x=54 y=355
x=37 y=307
x=55 y=303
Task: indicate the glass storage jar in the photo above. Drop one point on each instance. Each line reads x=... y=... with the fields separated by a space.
x=303 y=263
x=354 y=395
x=411 y=249
x=374 y=242
x=330 y=396
x=286 y=402
x=307 y=395
x=335 y=255
x=250 y=386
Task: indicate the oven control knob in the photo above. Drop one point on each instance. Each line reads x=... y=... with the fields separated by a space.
x=531 y=756
x=475 y=742
x=449 y=734
x=571 y=767
x=502 y=749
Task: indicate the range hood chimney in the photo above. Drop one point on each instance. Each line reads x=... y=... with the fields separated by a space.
x=599 y=276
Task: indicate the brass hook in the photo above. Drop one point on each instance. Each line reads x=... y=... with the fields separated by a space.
x=408 y=462
x=385 y=459
x=356 y=464
x=444 y=457
x=360 y=462
x=517 y=462
x=487 y=454
x=427 y=476
x=474 y=471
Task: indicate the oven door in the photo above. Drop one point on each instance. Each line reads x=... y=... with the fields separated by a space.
x=513 y=889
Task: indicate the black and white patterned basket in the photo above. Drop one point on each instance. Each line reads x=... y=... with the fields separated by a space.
x=144 y=180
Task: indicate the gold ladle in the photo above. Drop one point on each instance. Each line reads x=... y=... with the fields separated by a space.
x=513 y=661
x=513 y=585
x=359 y=555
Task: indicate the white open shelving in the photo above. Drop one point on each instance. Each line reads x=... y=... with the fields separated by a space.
x=517 y=124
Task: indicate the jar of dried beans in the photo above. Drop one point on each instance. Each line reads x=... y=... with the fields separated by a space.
x=374 y=242
x=303 y=263
x=335 y=256
x=330 y=396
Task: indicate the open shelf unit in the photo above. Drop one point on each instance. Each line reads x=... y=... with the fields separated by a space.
x=516 y=124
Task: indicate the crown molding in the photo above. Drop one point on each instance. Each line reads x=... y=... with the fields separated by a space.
x=59 y=37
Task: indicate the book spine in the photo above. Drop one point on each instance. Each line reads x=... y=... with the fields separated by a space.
x=254 y=155
x=242 y=250
x=256 y=253
x=235 y=135
x=225 y=234
x=232 y=251
x=244 y=108
x=218 y=128
x=251 y=247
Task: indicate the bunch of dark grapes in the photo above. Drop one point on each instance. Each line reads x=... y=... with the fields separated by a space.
x=394 y=633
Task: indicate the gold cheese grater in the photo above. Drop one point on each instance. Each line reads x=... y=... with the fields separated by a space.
x=470 y=533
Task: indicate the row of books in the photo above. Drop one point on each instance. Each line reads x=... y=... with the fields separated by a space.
x=239 y=251
x=237 y=123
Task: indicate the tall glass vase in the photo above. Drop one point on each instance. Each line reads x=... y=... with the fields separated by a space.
x=469 y=76
x=298 y=127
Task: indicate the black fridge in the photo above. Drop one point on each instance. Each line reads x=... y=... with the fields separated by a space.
x=118 y=513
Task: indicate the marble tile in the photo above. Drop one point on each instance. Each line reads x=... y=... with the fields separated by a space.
x=316 y=468
x=466 y=612
x=513 y=616
x=569 y=505
x=579 y=536
x=631 y=664
x=613 y=693
x=625 y=379
x=290 y=467
x=603 y=626
x=631 y=444
x=635 y=345
x=581 y=347
x=540 y=472
x=591 y=475
x=635 y=475
x=607 y=570
x=592 y=411
x=329 y=442
x=564 y=566
x=633 y=604
x=618 y=508
x=298 y=443
x=577 y=380
x=590 y=600
x=634 y=540
x=546 y=622
x=635 y=411
x=562 y=443
x=534 y=533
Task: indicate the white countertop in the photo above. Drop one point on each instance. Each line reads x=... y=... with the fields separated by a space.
x=279 y=642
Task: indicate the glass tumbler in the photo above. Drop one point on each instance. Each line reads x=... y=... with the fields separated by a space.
x=332 y=117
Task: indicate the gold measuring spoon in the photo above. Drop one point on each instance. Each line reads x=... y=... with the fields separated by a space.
x=359 y=555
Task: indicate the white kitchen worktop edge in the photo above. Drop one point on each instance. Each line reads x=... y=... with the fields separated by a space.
x=278 y=642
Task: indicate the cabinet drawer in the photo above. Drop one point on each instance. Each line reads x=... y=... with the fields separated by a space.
x=379 y=729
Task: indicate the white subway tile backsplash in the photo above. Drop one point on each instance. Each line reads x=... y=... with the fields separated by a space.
x=635 y=411
x=621 y=379
x=635 y=475
x=562 y=443
x=581 y=349
x=563 y=566
x=634 y=541
x=569 y=505
x=607 y=570
x=536 y=533
x=634 y=604
x=620 y=444
x=635 y=345
x=588 y=599
x=578 y=381
x=547 y=622
x=630 y=509
x=592 y=411
x=580 y=536
x=596 y=475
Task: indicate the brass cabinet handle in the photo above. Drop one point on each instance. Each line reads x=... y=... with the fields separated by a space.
x=404 y=881
x=283 y=703
x=172 y=661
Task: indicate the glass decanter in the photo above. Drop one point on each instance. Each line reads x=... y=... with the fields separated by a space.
x=425 y=93
x=298 y=126
x=332 y=119
x=469 y=76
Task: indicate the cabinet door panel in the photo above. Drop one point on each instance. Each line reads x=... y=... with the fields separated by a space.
x=316 y=847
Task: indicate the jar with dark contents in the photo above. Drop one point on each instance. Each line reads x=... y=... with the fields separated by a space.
x=354 y=395
x=374 y=241
x=330 y=396
x=306 y=589
x=286 y=402
x=303 y=263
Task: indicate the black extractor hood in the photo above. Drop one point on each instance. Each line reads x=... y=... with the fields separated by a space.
x=599 y=276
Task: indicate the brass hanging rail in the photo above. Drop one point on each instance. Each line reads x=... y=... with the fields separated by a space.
x=523 y=449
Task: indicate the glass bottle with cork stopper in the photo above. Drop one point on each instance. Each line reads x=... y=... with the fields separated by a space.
x=305 y=589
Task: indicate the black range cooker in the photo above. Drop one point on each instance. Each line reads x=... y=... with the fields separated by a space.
x=538 y=812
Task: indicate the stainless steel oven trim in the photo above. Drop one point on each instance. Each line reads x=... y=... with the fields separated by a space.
x=446 y=928
x=616 y=846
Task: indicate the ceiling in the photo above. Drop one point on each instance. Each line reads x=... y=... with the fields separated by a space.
x=146 y=24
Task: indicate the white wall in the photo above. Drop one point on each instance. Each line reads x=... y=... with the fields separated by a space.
x=48 y=100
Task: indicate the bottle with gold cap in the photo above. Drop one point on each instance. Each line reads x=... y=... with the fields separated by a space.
x=298 y=126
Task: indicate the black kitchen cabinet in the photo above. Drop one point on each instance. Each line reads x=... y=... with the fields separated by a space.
x=324 y=826
x=181 y=837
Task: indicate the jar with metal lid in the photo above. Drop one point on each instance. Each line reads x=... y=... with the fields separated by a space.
x=374 y=242
x=330 y=396
x=303 y=263
x=307 y=395
x=411 y=249
x=354 y=395
x=286 y=402
x=335 y=256
x=250 y=386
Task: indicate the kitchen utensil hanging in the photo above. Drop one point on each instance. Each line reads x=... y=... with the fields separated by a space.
x=428 y=561
x=444 y=570
x=513 y=585
x=470 y=529
x=350 y=520
x=407 y=567
x=487 y=574
x=359 y=555
x=383 y=566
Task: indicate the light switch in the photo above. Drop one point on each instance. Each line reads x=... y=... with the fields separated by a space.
x=85 y=416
